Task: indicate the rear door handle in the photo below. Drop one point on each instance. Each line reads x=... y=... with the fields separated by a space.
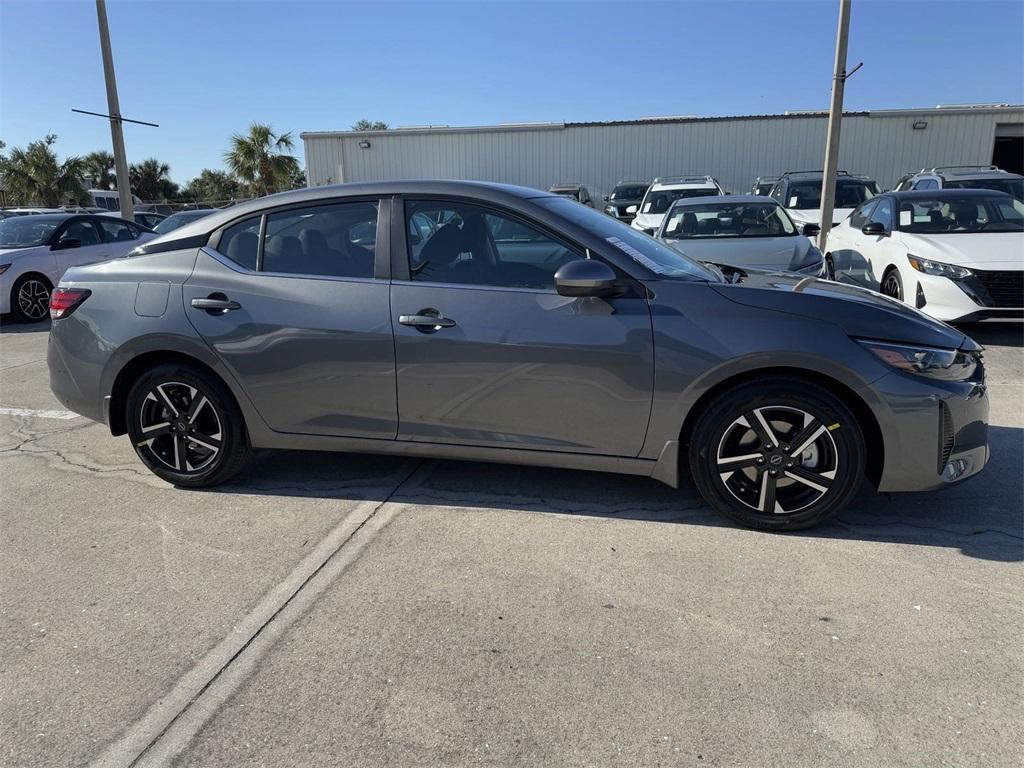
x=215 y=304
x=427 y=321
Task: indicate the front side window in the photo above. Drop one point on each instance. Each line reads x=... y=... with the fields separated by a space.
x=82 y=231
x=725 y=220
x=336 y=240
x=479 y=246
x=118 y=231
x=860 y=216
x=882 y=213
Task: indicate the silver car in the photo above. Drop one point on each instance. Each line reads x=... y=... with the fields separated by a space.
x=741 y=231
x=478 y=321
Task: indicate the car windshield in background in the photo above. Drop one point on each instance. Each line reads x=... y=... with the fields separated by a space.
x=644 y=250
x=26 y=231
x=714 y=220
x=806 y=195
x=947 y=215
x=1013 y=187
x=659 y=201
x=179 y=219
x=629 y=193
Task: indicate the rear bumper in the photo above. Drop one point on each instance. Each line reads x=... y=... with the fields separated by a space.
x=934 y=433
x=66 y=387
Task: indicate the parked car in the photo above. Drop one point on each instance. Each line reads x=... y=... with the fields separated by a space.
x=963 y=177
x=180 y=218
x=956 y=254
x=763 y=185
x=36 y=250
x=148 y=220
x=526 y=329
x=666 y=190
x=626 y=195
x=576 y=192
x=799 y=192
x=744 y=231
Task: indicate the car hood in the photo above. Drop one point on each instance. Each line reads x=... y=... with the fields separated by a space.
x=991 y=250
x=759 y=252
x=813 y=215
x=7 y=254
x=858 y=311
x=648 y=220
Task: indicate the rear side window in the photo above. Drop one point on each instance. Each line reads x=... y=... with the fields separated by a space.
x=241 y=242
x=117 y=231
x=337 y=240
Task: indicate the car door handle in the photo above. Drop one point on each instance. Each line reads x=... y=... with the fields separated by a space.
x=215 y=304
x=427 y=320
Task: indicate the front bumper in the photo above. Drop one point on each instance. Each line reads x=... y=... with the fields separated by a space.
x=934 y=433
x=960 y=300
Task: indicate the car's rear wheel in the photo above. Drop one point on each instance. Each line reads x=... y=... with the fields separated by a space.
x=892 y=284
x=186 y=427
x=780 y=454
x=30 y=298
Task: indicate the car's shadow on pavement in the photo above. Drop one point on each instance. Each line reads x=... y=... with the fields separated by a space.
x=995 y=334
x=981 y=517
x=9 y=325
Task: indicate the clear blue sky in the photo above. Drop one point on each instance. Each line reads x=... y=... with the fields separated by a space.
x=204 y=70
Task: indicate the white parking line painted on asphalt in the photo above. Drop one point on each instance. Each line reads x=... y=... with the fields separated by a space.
x=36 y=413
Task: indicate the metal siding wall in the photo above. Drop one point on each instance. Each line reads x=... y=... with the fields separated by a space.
x=883 y=146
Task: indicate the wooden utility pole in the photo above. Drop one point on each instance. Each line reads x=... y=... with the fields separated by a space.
x=124 y=190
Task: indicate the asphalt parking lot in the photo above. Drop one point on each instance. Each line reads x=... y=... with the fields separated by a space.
x=333 y=609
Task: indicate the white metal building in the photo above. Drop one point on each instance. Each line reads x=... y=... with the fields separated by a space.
x=882 y=144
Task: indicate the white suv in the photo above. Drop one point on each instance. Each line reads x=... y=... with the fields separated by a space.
x=666 y=190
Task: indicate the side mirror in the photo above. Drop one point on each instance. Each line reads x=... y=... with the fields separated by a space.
x=810 y=230
x=632 y=209
x=875 y=228
x=67 y=242
x=585 y=277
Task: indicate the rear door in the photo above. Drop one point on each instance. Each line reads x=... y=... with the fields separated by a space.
x=295 y=302
x=489 y=354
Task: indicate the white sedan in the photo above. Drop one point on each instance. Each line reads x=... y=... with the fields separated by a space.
x=35 y=251
x=955 y=254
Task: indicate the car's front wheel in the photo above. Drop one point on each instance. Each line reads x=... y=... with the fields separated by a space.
x=892 y=284
x=186 y=427
x=779 y=454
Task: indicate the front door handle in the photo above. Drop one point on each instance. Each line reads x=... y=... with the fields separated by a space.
x=427 y=321
x=215 y=304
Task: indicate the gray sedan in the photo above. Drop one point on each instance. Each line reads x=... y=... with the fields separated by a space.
x=744 y=231
x=479 y=321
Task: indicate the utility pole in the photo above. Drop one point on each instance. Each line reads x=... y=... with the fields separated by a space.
x=835 y=118
x=124 y=190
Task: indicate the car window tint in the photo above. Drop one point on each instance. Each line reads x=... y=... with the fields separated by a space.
x=926 y=184
x=115 y=230
x=240 y=242
x=83 y=231
x=860 y=216
x=478 y=246
x=882 y=213
x=337 y=240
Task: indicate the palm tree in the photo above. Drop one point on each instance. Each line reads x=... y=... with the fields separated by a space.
x=33 y=175
x=149 y=180
x=99 y=170
x=260 y=161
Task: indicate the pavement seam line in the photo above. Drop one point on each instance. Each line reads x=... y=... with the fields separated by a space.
x=139 y=737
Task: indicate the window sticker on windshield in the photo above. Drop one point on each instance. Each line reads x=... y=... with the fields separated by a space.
x=792 y=202
x=906 y=218
x=634 y=254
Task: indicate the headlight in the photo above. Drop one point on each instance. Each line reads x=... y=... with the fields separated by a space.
x=947 y=364
x=938 y=268
x=813 y=263
x=4 y=268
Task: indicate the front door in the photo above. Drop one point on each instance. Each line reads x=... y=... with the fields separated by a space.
x=489 y=354
x=92 y=248
x=294 y=307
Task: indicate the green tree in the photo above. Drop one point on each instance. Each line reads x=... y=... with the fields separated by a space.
x=149 y=180
x=370 y=125
x=212 y=186
x=99 y=170
x=34 y=175
x=260 y=161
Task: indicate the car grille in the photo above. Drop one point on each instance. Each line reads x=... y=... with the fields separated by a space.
x=947 y=440
x=1005 y=288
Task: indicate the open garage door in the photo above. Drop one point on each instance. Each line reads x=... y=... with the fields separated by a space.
x=1008 y=149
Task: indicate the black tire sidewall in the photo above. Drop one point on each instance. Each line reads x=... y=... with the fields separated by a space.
x=809 y=397
x=16 y=307
x=234 y=437
x=895 y=273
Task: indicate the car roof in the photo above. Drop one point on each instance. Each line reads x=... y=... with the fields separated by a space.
x=485 y=191
x=760 y=199
x=932 y=194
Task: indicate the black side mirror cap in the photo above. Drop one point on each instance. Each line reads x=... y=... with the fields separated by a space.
x=810 y=230
x=66 y=242
x=874 y=228
x=585 y=277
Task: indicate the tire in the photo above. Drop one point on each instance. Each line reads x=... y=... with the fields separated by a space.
x=807 y=488
x=892 y=284
x=30 y=298
x=830 y=268
x=186 y=427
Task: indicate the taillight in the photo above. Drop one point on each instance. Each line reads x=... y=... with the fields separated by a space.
x=64 y=301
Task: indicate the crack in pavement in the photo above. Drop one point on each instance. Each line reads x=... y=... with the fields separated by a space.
x=173 y=720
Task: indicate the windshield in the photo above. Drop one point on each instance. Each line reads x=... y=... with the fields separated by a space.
x=1013 y=187
x=633 y=192
x=659 y=201
x=946 y=215
x=806 y=195
x=722 y=220
x=644 y=250
x=26 y=231
x=176 y=220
